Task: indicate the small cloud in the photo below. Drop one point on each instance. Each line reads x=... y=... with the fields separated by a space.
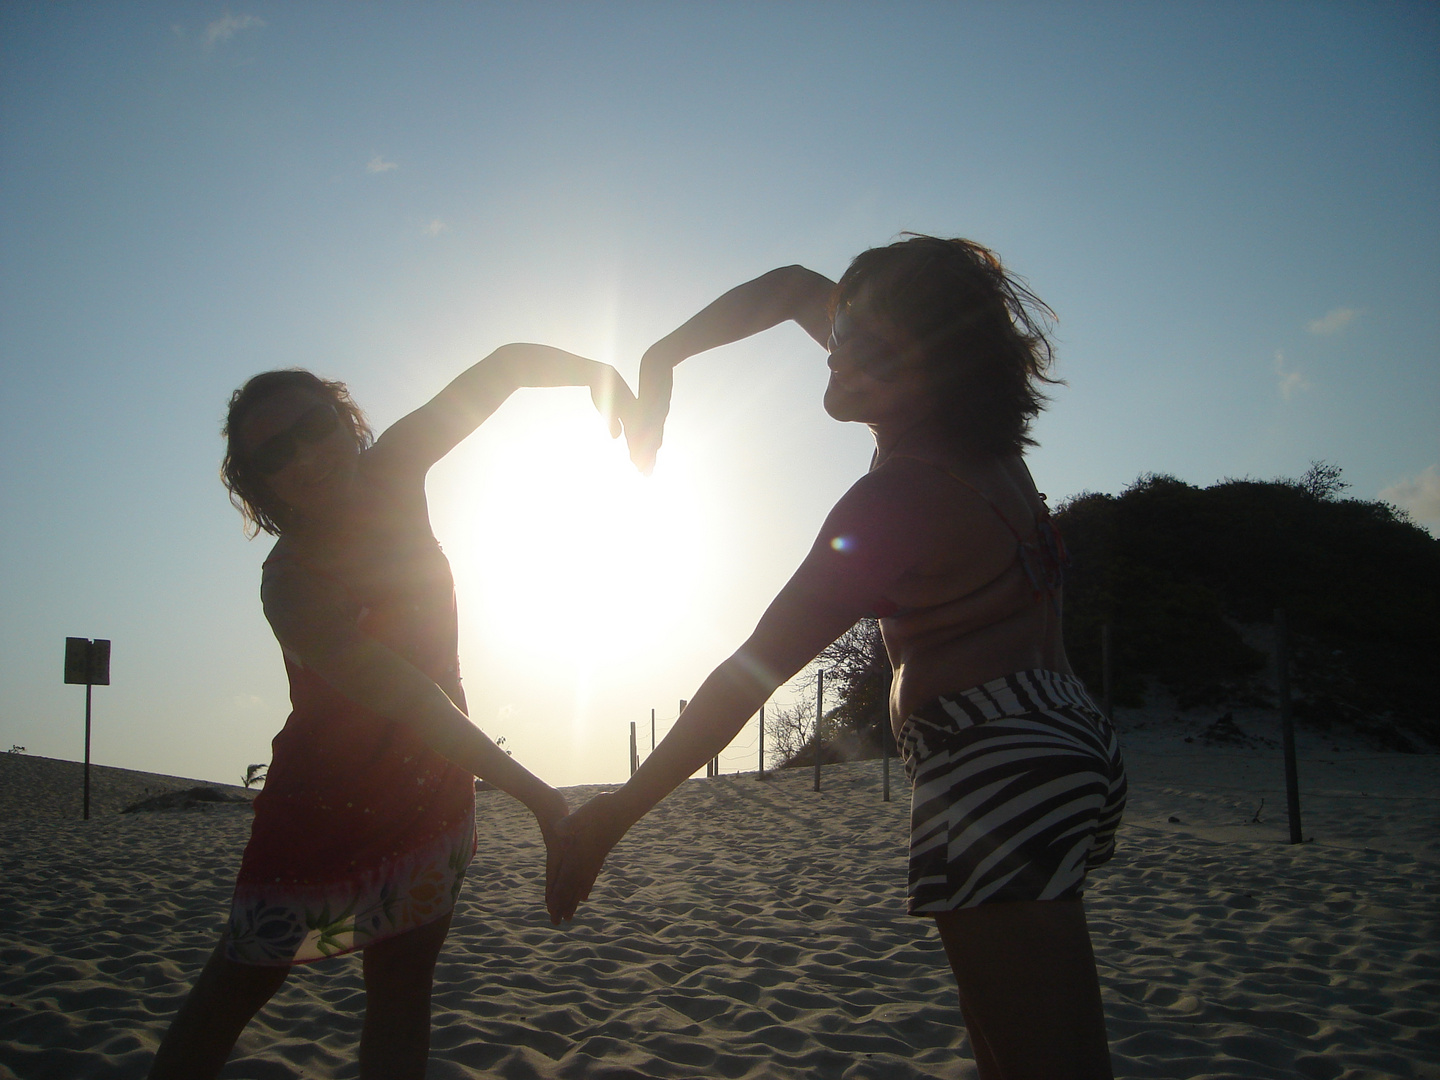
x=1332 y=322
x=435 y=227
x=1420 y=496
x=1291 y=381
x=379 y=164
x=227 y=26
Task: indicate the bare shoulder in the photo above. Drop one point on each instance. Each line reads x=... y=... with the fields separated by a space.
x=907 y=485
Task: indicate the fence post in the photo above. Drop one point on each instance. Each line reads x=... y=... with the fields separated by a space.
x=819 y=716
x=652 y=731
x=1105 y=669
x=762 y=740
x=885 y=760
x=1287 y=724
x=634 y=752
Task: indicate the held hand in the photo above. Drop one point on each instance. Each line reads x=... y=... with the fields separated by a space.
x=613 y=399
x=549 y=810
x=587 y=837
x=657 y=377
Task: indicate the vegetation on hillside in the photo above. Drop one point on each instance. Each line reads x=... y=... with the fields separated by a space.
x=1185 y=575
x=1189 y=579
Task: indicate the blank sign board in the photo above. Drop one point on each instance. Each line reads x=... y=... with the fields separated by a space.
x=87 y=662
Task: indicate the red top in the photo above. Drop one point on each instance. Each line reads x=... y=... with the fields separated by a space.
x=348 y=790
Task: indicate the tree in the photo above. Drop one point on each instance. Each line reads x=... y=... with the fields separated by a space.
x=255 y=774
x=1322 y=480
x=857 y=696
x=789 y=731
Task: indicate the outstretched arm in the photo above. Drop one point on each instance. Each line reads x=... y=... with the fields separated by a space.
x=791 y=292
x=433 y=430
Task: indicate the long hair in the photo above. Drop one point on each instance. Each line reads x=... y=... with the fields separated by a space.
x=249 y=493
x=981 y=331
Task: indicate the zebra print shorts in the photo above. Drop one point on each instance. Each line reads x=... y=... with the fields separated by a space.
x=1018 y=788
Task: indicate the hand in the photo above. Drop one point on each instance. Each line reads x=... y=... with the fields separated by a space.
x=550 y=809
x=586 y=837
x=613 y=399
x=657 y=377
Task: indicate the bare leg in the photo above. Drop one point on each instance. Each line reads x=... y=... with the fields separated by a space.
x=1028 y=990
x=224 y=998
x=399 y=972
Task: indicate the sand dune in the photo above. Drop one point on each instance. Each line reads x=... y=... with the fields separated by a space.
x=39 y=788
x=755 y=930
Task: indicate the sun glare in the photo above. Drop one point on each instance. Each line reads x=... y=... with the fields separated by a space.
x=576 y=554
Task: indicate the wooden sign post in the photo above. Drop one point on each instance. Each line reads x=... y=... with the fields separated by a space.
x=87 y=662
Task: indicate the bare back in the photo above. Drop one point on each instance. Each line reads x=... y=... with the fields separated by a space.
x=967 y=611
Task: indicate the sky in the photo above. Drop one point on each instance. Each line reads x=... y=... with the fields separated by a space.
x=1232 y=207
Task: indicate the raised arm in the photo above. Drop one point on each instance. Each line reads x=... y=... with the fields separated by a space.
x=314 y=620
x=791 y=292
x=433 y=430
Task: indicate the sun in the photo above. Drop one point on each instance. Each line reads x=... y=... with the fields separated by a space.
x=564 y=549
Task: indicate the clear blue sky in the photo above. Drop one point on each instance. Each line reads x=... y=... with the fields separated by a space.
x=1232 y=207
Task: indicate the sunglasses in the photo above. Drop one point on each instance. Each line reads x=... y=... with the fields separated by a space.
x=873 y=355
x=315 y=424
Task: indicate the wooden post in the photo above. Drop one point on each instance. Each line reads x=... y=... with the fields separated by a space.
x=652 y=731
x=819 y=716
x=1287 y=724
x=87 y=751
x=634 y=751
x=885 y=762
x=1105 y=669
x=762 y=740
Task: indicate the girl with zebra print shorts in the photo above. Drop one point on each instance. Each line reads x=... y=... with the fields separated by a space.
x=1018 y=782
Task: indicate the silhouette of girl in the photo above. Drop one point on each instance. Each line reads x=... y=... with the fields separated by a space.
x=367 y=820
x=1018 y=782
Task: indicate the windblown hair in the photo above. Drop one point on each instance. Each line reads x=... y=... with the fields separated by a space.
x=982 y=333
x=249 y=492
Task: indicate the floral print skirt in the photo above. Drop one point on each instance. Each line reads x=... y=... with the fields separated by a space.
x=280 y=924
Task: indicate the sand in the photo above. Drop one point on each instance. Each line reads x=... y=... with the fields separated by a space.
x=755 y=929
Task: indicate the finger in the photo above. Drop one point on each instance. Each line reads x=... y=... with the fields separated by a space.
x=644 y=443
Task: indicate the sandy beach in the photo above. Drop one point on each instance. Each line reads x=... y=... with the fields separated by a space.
x=756 y=929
